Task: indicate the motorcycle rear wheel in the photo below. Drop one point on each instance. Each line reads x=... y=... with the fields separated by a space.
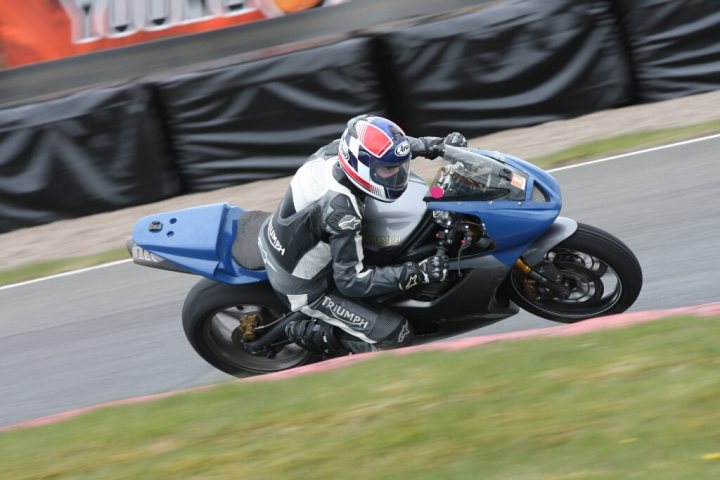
x=212 y=312
x=601 y=274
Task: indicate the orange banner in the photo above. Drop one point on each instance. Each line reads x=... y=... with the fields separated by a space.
x=40 y=30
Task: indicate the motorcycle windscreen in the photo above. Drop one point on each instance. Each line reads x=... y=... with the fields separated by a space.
x=477 y=176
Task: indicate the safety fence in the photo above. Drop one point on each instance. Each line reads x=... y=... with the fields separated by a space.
x=498 y=65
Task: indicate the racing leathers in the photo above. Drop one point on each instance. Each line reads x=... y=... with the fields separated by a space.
x=312 y=249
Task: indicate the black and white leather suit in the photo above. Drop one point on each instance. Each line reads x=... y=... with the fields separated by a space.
x=312 y=249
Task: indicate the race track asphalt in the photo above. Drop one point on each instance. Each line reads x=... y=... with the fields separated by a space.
x=114 y=332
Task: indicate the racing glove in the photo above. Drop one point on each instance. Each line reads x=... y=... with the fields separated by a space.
x=454 y=139
x=433 y=147
x=432 y=269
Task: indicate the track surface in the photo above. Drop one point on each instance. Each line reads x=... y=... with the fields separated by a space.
x=114 y=333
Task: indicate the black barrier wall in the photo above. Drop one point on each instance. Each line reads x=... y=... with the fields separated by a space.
x=513 y=64
x=262 y=119
x=674 y=46
x=91 y=152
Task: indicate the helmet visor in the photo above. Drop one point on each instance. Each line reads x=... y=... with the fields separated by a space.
x=392 y=176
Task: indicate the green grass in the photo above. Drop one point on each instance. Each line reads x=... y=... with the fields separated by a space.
x=625 y=143
x=610 y=146
x=639 y=402
x=51 y=267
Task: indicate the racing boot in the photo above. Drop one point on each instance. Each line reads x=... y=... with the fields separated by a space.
x=314 y=336
x=354 y=344
x=320 y=337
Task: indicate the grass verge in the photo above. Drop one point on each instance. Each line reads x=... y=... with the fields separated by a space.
x=610 y=146
x=51 y=267
x=626 y=143
x=638 y=402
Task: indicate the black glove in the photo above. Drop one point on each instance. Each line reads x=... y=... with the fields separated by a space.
x=434 y=269
x=455 y=139
x=433 y=147
x=428 y=147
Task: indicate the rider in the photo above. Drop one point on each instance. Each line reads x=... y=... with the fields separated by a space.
x=312 y=245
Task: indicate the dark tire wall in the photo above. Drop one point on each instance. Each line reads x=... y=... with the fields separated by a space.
x=494 y=66
x=510 y=65
x=90 y=152
x=673 y=46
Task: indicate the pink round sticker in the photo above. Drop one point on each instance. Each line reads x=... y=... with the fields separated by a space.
x=437 y=192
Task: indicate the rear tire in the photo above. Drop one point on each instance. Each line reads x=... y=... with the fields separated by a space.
x=212 y=311
x=602 y=274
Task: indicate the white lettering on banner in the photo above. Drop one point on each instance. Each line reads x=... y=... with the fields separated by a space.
x=343 y=314
x=94 y=20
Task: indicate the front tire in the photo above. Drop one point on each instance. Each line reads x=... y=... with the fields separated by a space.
x=601 y=274
x=212 y=312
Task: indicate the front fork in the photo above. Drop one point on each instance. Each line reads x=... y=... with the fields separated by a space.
x=548 y=279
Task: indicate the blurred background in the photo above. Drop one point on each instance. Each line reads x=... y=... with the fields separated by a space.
x=109 y=104
x=106 y=104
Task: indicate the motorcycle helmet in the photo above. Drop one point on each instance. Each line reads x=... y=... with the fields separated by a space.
x=375 y=155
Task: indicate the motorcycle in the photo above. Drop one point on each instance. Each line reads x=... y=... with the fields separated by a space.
x=496 y=216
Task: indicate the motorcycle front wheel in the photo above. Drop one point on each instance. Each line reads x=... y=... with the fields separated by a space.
x=212 y=316
x=600 y=275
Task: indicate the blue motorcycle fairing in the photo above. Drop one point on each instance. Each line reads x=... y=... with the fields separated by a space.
x=197 y=239
x=544 y=180
x=512 y=225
